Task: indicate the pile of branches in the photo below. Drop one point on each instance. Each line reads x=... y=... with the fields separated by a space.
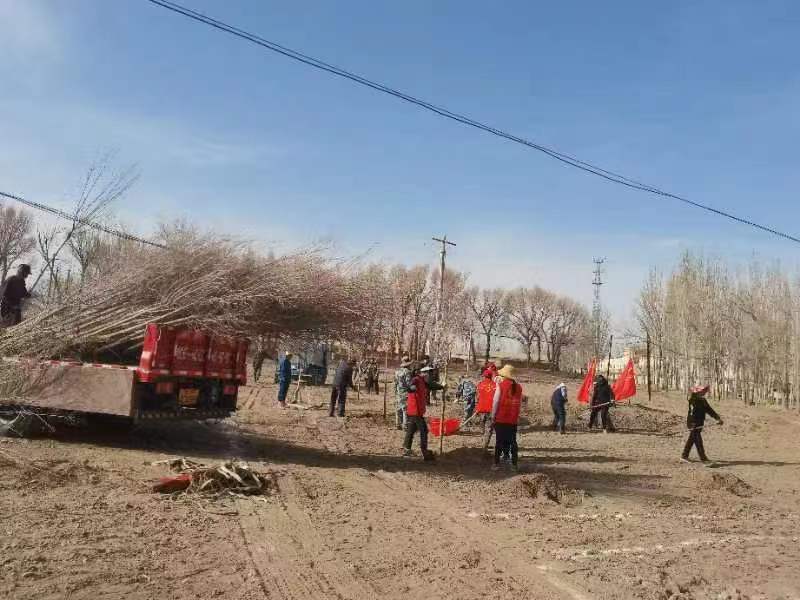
x=199 y=281
x=232 y=478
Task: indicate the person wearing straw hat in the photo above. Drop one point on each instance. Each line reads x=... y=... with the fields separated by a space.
x=402 y=387
x=695 y=421
x=505 y=416
x=558 y=402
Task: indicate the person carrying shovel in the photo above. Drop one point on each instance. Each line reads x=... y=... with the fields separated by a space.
x=695 y=421
x=602 y=401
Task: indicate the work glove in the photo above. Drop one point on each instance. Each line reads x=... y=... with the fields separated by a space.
x=719 y=422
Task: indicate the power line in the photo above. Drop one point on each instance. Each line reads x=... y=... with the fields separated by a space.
x=444 y=112
x=76 y=219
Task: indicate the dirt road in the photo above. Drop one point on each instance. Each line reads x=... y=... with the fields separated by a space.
x=589 y=515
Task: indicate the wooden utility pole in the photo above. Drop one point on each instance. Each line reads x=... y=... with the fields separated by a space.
x=438 y=318
x=649 y=379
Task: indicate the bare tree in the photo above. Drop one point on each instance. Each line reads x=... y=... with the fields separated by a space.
x=101 y=186
x=421 y=308
x=736 y=330
x=453 y=314
x=16 y=239
x=569 y=322
x=87 y=247
x=528 y=312
x=489 y=307
x=46 y=245
x=401 y=289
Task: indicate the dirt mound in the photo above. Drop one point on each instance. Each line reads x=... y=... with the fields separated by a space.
x=47 y=473
x=540 y=488
x=636 y=417
x=705 y=481
x=731 y=483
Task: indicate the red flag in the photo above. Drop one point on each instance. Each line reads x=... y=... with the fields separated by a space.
x=625 y=385
x=586 y=386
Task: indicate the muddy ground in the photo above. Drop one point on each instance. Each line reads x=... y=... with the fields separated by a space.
x=589 y=515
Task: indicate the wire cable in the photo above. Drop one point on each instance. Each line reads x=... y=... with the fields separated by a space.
x=76 y=219
x=444 y=112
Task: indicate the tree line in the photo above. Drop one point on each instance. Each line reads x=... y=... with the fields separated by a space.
x=548 y=327
x=401 y=309
x=737 y=329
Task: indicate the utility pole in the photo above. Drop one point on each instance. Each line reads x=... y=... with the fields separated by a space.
x=438 y=318
x=597 y=308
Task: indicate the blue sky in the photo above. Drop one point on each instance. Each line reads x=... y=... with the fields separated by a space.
x=700 y=98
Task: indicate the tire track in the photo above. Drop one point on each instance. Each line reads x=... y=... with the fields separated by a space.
x=291 y=557
x=397 y=490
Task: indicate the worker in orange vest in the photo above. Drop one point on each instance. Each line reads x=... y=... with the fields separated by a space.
x=415 y=414
x=505 y=416
x=484 y=407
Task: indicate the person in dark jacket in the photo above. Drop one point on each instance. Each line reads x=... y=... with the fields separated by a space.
x=695 y=421
x=602 y=399
x=373 y=376
x=431 y=374
x=14 y=292
x=432 y=382
x=558 y=402
x=342 y=380
x=284 y=378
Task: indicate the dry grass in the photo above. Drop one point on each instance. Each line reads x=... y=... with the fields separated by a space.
x=199 y=281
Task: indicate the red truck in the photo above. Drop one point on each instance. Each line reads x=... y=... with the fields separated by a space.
x=181 y=374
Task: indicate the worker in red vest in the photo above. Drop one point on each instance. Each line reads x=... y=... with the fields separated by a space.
x=484 y=407
x=505 y=416
x=415 y=415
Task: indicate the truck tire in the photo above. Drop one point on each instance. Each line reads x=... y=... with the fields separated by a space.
x=18 y=423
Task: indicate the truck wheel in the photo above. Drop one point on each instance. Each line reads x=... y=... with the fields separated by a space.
x=17 y=423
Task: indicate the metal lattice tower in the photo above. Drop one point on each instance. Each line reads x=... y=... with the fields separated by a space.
x=597 y=308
